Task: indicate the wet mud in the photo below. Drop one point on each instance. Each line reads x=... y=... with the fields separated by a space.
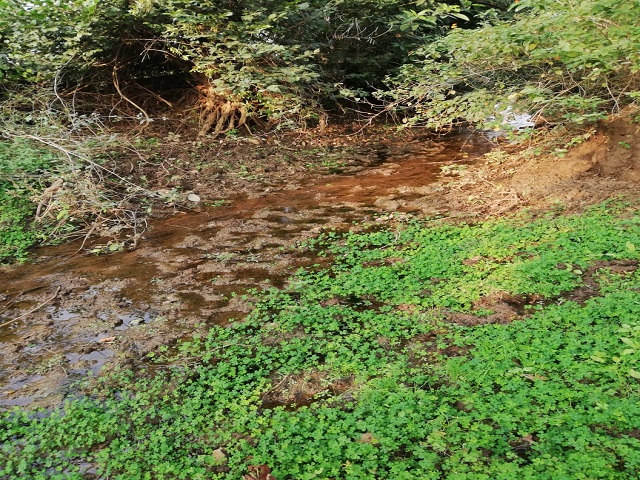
x=68 y=315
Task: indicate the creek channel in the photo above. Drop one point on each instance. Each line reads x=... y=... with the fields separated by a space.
x=68 y=315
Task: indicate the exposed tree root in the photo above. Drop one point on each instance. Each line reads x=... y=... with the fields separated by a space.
x=220 y=113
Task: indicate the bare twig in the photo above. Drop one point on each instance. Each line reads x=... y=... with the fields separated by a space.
x=155 y=95
x=70 y=154
x=116 y=84
x=18 y=295
x=34 y=309
x=87 y=235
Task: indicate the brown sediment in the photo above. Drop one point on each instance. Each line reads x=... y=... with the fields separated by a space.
x=191 y=270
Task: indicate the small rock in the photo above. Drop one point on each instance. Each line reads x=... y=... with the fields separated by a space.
x=368 y=438
x=219 y=456
x=192 y=197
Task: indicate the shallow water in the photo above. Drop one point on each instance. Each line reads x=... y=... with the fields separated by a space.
x=189 y=271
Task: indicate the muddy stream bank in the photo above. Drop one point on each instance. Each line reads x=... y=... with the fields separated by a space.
x=67 y=315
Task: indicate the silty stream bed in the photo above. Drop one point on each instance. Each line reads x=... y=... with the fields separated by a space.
x=189 y=271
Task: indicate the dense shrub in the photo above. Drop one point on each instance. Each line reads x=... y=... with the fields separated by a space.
x=273 y=58
x=563 y=61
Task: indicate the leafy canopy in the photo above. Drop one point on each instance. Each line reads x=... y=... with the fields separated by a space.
x=562 y=60
x=276 y=56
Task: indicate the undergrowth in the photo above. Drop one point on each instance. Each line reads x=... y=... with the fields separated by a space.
x=64 y=179
x=395 y=362
x=23 y=171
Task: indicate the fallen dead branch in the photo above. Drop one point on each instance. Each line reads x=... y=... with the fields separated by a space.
x=116 y=84
x=98 y=199
x=34 y=309
x=18 y=295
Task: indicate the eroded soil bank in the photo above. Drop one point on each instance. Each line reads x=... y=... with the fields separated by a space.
x=70 y=314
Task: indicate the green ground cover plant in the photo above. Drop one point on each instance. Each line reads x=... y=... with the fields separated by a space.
x=24 y=168
x=394 y=362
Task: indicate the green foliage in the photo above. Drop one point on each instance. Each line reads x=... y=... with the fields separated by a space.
x=23 y=170
x=347 y=374
x=277 y=57
x=39 y=38
x=452 y=266
x=562 y=60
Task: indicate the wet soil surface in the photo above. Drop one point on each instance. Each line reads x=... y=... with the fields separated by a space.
x=68 y=315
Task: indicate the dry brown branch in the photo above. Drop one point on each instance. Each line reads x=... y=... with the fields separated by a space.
x=34 y=309
x=18 y=295
x=511 y=197
x=155 y=95
x=70 y=154
x=87 y=198
x=46 y=197
x=116 y=84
